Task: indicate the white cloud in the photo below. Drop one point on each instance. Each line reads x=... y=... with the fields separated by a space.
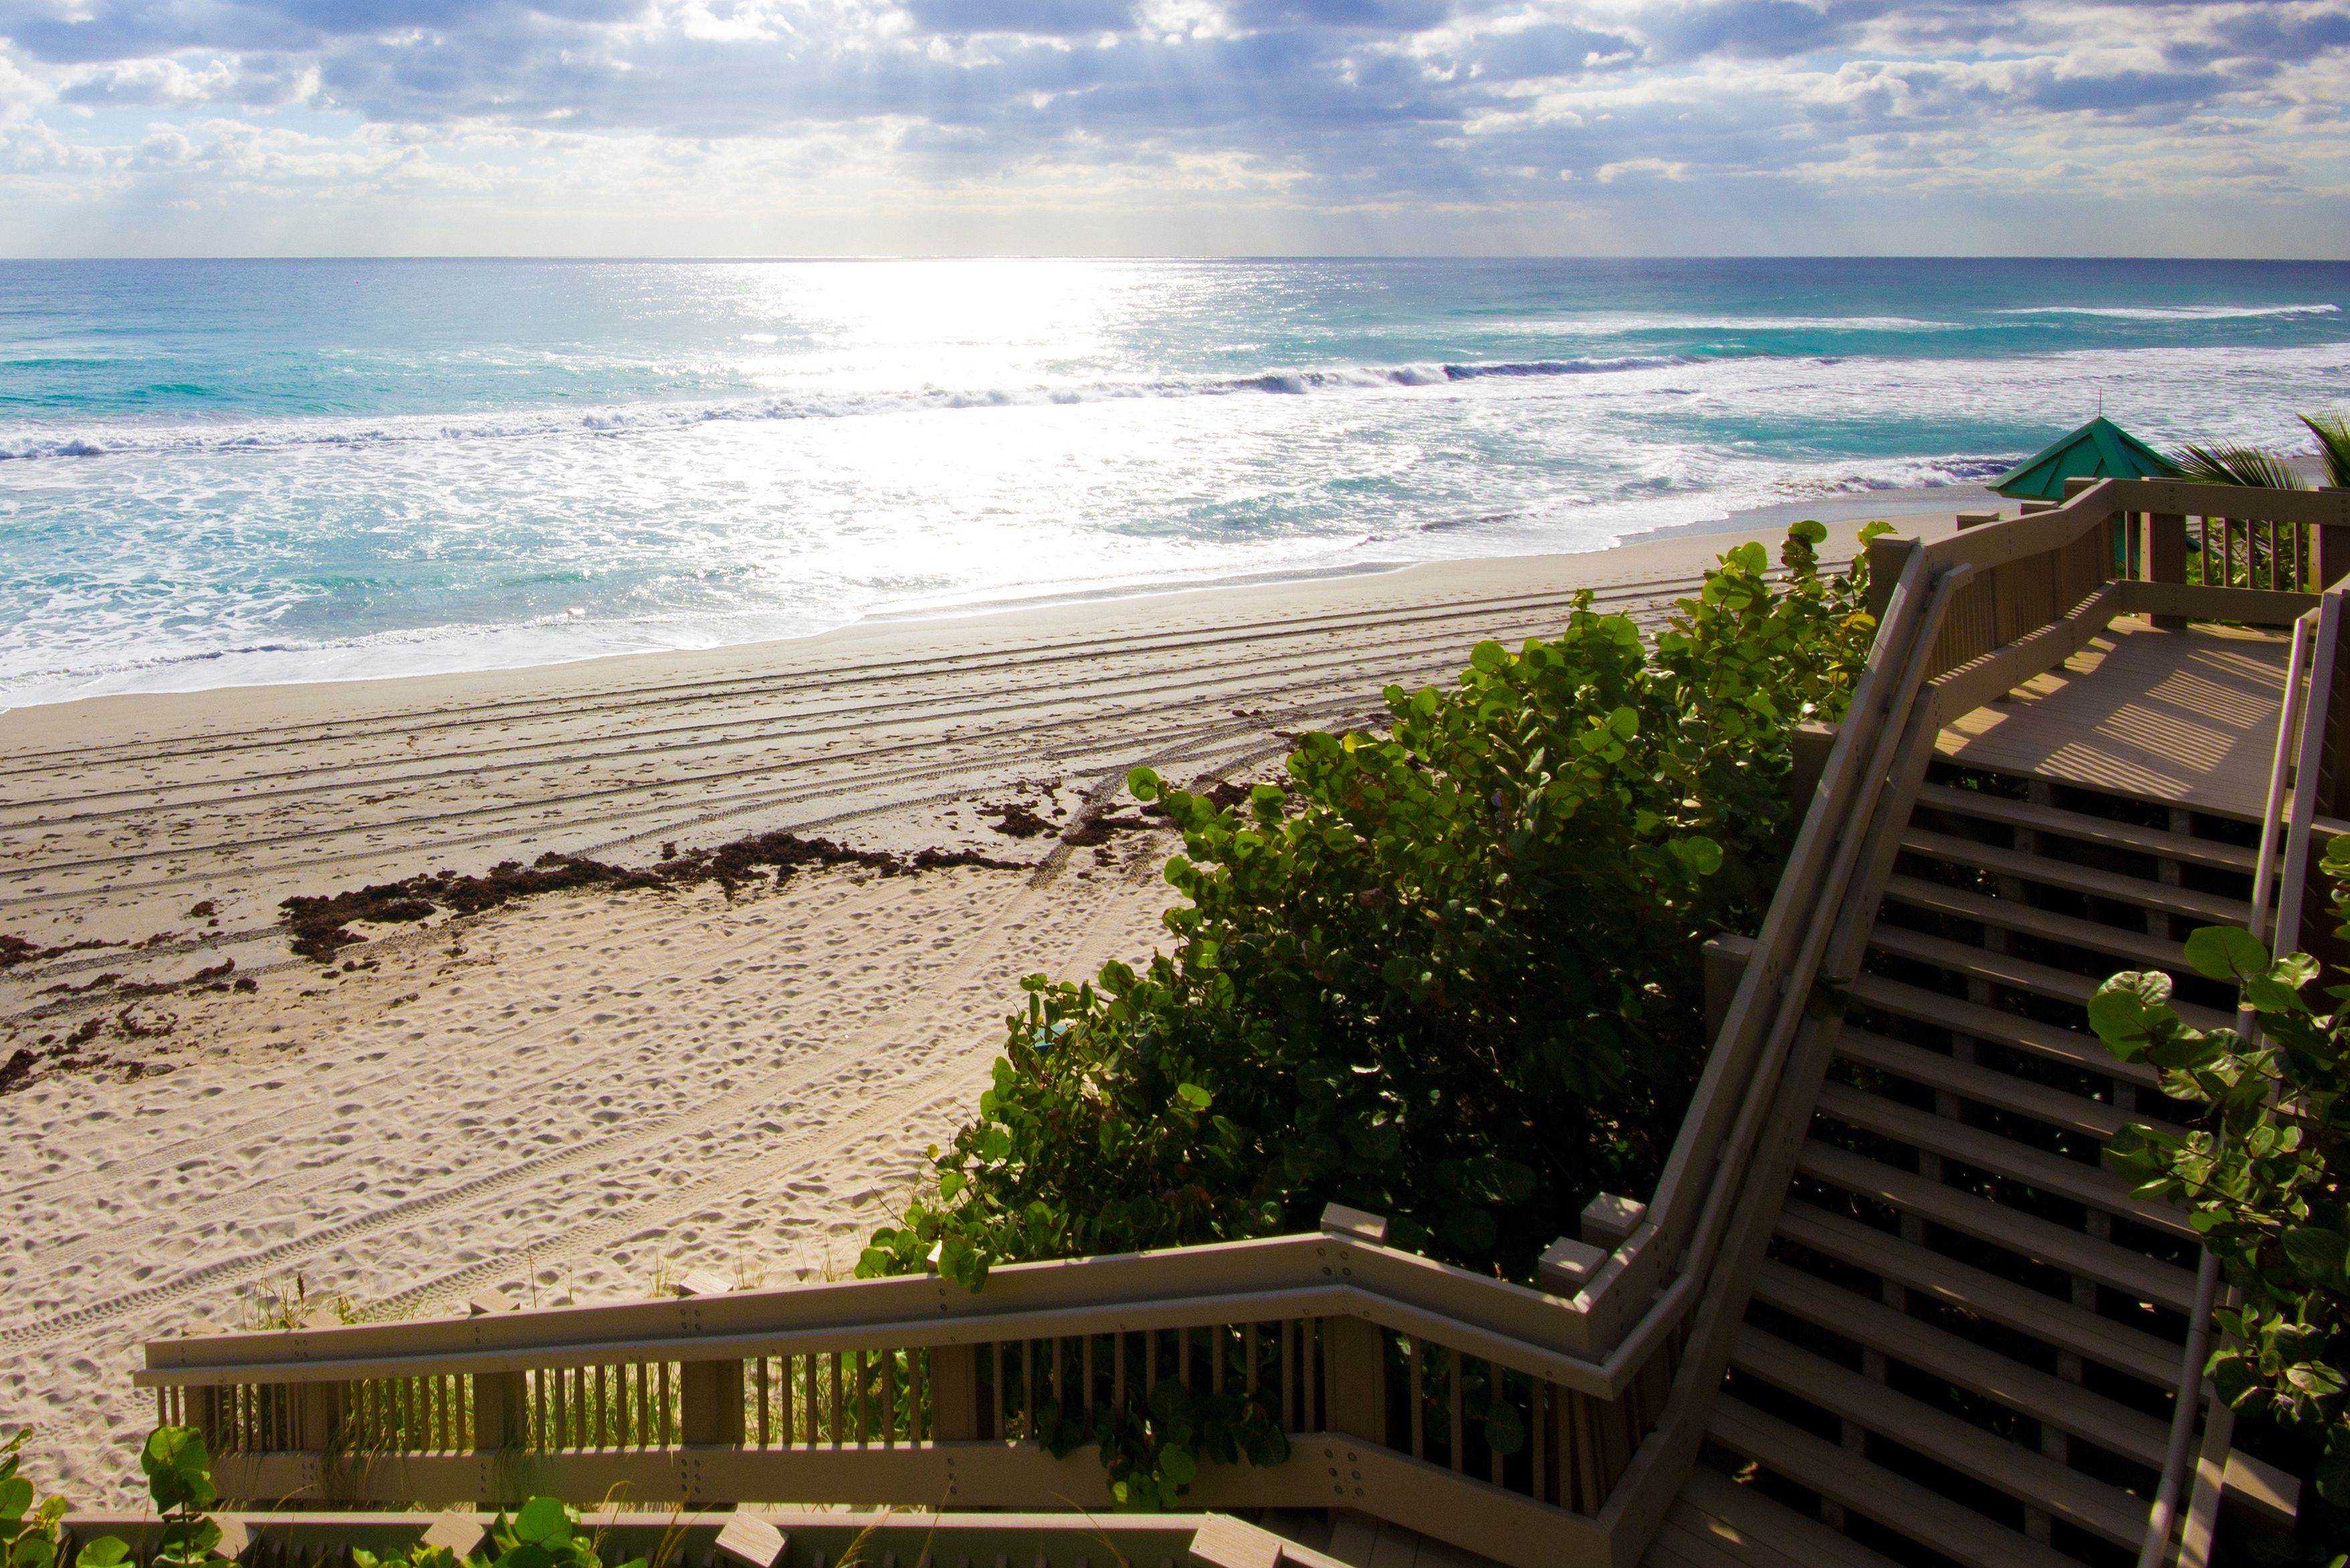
x=1085 y=122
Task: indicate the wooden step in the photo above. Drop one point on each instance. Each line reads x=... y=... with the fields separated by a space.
x=2134 y=1274
x=1987 y=1086
x=2014 y=915
x=1985 y=1457
x=1987 y=1296
x=2018 y=974
x=2163 y=896
x=1717 y=1523
x=2155 y=841
x=2089 y=1184
x=2065 y=1405
x=1841 y=1476
x=1983 y=1023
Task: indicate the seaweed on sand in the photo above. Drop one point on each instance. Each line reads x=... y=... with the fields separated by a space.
x=321 y=925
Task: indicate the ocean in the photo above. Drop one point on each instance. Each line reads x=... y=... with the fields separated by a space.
x=218 y=473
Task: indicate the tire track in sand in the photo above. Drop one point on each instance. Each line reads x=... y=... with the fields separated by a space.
x=976 y=951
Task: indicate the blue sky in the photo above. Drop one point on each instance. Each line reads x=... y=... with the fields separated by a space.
x=831 y=126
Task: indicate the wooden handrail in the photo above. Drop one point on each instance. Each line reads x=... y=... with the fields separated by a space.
x=1316 y=1275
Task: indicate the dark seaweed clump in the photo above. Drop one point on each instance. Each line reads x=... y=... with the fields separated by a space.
x=321 y=925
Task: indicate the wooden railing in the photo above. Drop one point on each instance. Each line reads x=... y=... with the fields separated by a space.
x=1399 y=1379
x=808 y=1539
x=1535 y=1427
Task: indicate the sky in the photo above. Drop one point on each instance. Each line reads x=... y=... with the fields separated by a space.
x=1173 y=127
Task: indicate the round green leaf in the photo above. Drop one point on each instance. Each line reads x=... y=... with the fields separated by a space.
x=2226 y=952
x=543 y=1521
x=1505 y=1430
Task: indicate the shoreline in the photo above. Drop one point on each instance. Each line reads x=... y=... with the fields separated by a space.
x=1926 y=508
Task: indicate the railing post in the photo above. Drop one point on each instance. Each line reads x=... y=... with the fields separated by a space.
x=711 y=1394
x=954 y=1393
x=1886 y=556
x=2165 y=558
x=314 y=1416
x=2333 y=543
x=499 y=1401
x=1357 y=1391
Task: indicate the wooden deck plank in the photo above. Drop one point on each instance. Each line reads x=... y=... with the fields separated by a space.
x=2183 y=718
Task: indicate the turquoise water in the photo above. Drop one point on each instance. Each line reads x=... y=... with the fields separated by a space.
x=223 y=471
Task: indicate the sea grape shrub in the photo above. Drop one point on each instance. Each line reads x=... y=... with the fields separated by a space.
x=1450 y=974
x=28 y=1524
x=2266 y=1177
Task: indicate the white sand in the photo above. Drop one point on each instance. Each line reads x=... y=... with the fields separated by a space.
x=589 y=1091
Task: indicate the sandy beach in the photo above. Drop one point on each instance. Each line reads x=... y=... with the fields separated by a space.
x=707 y=1047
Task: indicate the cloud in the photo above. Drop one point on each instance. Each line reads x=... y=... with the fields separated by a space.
x=1353 y=110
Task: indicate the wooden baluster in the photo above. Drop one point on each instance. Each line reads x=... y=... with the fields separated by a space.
x=1288 y=1377
x=807 y=1373
x=836 y=1399
x=917 y=1430
x=1183 y=1358
x=1028 y=1387
x=1453 y=1393
x=1497 y=1383
x=889 y=1397
x=760 y=1376
x=1419 y=1419
x=1255 y=1375
x=1085 y=1396
x=1118 y=1373
x=864 y=1425
x=1539 y=1397
x=668 y=1424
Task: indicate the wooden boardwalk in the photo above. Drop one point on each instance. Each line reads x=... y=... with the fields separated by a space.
x=2182 y=718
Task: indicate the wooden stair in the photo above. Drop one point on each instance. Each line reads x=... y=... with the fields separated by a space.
x=1964 y=1345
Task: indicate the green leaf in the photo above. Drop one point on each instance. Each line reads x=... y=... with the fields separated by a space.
x=1178 y=1466
x=2226 y=952
x=2130 y=1011
x=543 y=1521
x=1505 y=1430
x=2333 y=1464
x=1701 y=855
x=1813 y=533
x=2317 y=1253
x=179 y=1472
x=106 y=1551
x=1193 y=1094
x=16 y=1498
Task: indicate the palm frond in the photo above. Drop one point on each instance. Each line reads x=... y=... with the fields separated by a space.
x=2228 y=463
x=2332 y=433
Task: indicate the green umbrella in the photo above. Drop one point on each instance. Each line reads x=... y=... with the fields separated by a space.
x=2098 y=449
